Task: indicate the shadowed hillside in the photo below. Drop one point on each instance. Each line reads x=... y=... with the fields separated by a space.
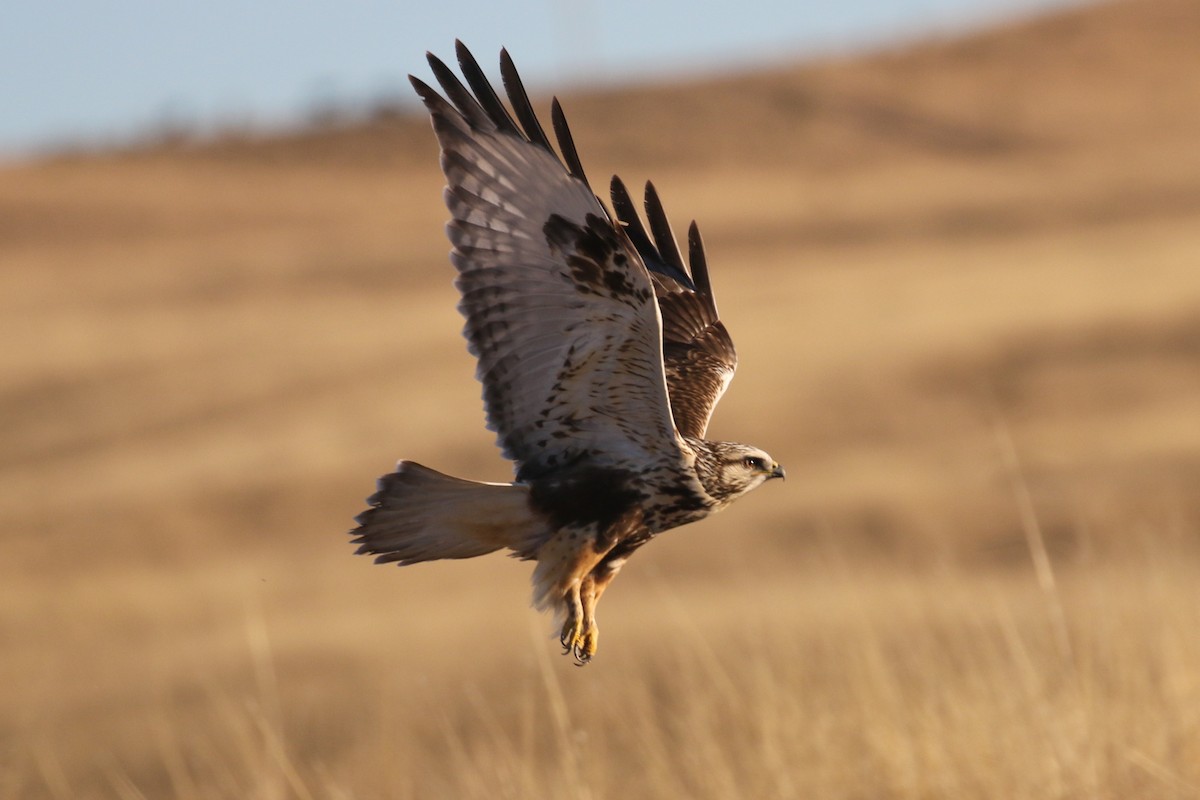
x=964 y=285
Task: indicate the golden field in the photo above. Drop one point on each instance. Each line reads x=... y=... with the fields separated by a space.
x=964 y=280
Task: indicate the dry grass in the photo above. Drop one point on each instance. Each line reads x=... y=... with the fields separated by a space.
x=963 y=282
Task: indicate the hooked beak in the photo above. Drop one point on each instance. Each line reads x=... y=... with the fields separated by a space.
x=778 y=472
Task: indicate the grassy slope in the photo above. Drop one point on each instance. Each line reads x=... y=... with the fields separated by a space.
x=923 y=255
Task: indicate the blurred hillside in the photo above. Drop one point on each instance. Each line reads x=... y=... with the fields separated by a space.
x=897 y=238
x=962 y=278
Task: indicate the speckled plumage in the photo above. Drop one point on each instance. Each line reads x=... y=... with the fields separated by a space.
x=601 y=356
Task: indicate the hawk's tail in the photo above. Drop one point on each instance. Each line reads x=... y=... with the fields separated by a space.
x=419 y=514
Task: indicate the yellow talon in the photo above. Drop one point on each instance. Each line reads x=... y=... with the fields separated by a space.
x=572 y=634
x=586 y=644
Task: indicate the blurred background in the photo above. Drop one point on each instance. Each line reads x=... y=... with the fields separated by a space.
x=956 y=244
x=105 y=74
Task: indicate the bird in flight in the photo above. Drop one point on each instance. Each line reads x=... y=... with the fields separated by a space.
x=601 y=356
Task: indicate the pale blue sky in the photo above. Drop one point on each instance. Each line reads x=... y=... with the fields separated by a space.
x=84 y=71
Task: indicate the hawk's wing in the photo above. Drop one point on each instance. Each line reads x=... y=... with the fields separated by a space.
x=560 y=310
x=697 y=351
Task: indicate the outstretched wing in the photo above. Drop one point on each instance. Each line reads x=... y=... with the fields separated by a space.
x=698 y=354
x=560 y=310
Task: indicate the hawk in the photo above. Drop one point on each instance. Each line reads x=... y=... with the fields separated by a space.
x=601 y=356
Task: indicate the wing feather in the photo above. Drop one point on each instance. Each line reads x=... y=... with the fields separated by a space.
x=631 y=222
x=560 y=310
x=484 y=92
x=566 y=142
x=660 y=226
x=515 y=88
x=698 y=353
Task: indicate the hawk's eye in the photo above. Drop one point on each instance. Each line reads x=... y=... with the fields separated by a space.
x=754 y=462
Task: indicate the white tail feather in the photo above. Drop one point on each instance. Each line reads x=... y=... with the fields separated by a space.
x=419 y=514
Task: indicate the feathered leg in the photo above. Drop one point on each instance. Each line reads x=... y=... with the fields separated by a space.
x=589 y=636
x=574 y=568
x=564 y=561
x=572 y=629
x=590 y=590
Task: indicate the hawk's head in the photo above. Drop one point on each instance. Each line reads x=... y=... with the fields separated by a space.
x=729 y=469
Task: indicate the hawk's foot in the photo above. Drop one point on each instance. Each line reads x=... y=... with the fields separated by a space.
x=572 y=634
x=572 y=629
x=586 y=644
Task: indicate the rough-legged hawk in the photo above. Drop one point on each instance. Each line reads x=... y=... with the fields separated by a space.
x=601 y=356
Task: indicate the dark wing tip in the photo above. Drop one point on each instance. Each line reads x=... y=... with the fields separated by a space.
x=519 y=98
x=483 y=109
x=623 y=204
x=631 y=223
x=422 y=88
x=660 y=226
x=429 y=96
x=463 y=53
x=482 y=87
x=698 y=262
x=566 y=142
x=433 y=61
x=459 y=95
